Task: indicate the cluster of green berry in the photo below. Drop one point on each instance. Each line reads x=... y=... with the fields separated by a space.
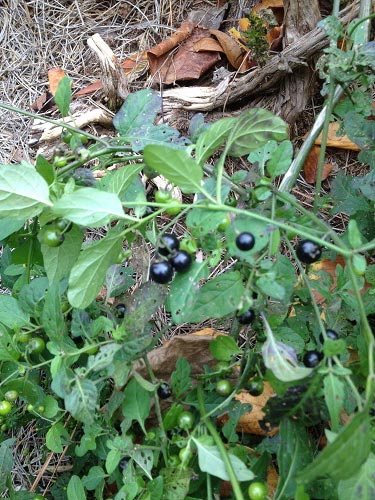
x=53 y=233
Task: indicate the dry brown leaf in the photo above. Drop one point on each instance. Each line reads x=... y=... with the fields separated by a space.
x=310 y=167
x=208 y=43
x=176 y=59
x=277 y=7
x=55 y=75
x=337 y=141
x=90 y=89
x=43 y=103
x=272 y=481
x=249 y=422
x=232 y=49
x=274 y=37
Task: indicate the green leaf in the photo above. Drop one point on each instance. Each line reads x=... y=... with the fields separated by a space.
x=11 y=314
x=210 y=461
x=342 y=458
x=135 y=193
x=144 y=302
x=32 y=294
x=52 y=316
x=281 y=359
x=118 y=182
x=360 y=130
x=112 y=460
x=293 y=454
x=234 y=414
x=82 y=400
x=347 y=198
x=361 y=486
x=262 y=155
x=6 y=461
x=279 y=279
x=180 y=378
x=253 y=129
x=45 y=169
x=359 y=264
x=183 y=289
x=212 y=138
x=176 y=483
x=89 y=207
x=215 y=299
x=7 y=351
x=260 y=231
x=202 y=221
x=135 y=122
x=155 y=488
x=170 y=417
x=75 y=489
x=280 y=159
x=10 y=226
x=63 y=95
x=354 y=234
x=334 y=397
x=118 y=279
x=136 y=404
x=58 y=261
x=88 y=272
x=94 y=478
x=224 y=348
x=147 y=386
x=144 y=459
x=54 y=441
x=103 y=358
x=23 y=192
x=51 y=406
x=176 y=165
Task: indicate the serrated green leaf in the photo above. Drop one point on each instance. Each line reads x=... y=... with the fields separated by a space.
x=216 y=298
x=88 y=272
x=335 y=460
x=212 y=138
x=136 y=404
x=210 y=461
x=334 y=398
x=253 y=129
x=89 y=207
x=23 y=192
x=362 y=485
x=11 y=314
x=82 y=400
x=224 y=348
x=63 y=95
x=176 y=165
x=280 y=159
x=58 y=261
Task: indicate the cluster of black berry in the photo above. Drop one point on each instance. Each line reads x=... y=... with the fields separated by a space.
x=178 y=260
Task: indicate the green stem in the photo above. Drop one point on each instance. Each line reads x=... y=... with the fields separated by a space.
x=219 y=443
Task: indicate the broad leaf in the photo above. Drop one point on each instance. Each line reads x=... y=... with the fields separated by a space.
x=176 y=165
x=361 y=486
x=52 y=317
x=280 y=159
x=95 y=477
x=210 y=461
x=260 y=231
x=224 y=348
x=136 y=404
x=23 y=192
x=176 y=483
x=294 y=453
x=253 y=129
x=217 y=298
x=118 y=279
x=88 y=273
x=63 y=95
x=212 y=138
x=180 y=378
x=342 y=458
x=11 y=314
x=75 y=489
x=334 y=397
x=56 y=437
x=9 y=226
x=6 y=461
x=144 y=459
x=58 y=261
x=183 y=289
x=89 y=207
x=82 y=400
x=117 y=182
x=202 y=221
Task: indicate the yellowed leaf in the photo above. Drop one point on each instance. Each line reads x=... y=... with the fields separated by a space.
x=337 y=141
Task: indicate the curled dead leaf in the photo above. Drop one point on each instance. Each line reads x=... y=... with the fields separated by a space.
x=311 y=166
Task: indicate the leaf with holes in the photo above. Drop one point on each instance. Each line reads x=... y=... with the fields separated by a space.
x=82 y=400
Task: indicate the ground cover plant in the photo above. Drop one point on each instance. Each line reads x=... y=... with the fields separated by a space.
x=71 y=356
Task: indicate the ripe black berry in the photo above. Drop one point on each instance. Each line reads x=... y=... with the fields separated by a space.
x=161 y=272
x=247 y=317
x=245 y=241
x=169 y=243
x=181 y=261
x=312 y=358
x=331 y=334
x=164 y=391
x=120 y=310
x=308 y=251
